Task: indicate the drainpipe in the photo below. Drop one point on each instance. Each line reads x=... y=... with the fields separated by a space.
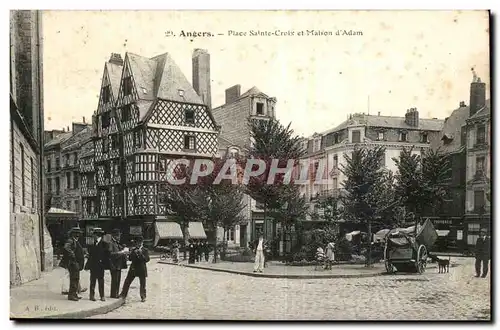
x=41 y=174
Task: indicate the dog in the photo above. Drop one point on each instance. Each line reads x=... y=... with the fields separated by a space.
x=444 y=265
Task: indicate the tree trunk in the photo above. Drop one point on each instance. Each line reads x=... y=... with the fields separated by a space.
x=224 y=242
x=215 y=245
x=369 y=256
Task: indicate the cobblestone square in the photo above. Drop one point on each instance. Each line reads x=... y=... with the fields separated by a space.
x=184 y=293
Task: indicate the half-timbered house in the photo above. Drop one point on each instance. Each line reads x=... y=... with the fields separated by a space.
x=88 y=186
x=107 y=146
x=157 y=117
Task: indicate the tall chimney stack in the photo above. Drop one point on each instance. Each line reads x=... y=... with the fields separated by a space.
x=116 y=58
x=201 y=75
x=477 y=94
x=233 y=93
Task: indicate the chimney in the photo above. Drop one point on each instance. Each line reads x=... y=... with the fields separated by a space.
x=201 y=75
x=411 y=117
x=233 y=93
x=477 y=94
x=379 y=113
x=78 y=127
x=84 y=119
x=116 y=59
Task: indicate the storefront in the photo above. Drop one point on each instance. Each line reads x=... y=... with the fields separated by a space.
x=59 y=223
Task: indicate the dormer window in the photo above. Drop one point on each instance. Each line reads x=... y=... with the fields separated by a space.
x=403 y=136
x=317 y=144
x=336 y=138
x=233 y=153
x=380 y=136
x=189 y=116
x=356 y=136
x=260 y=109
x=127 y=86
x=425 y=138
x=181 y=92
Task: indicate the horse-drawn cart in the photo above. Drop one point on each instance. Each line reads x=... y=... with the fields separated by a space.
x=407 y=252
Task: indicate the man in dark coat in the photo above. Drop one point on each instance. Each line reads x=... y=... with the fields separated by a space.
x=191 y=250
x=96 y=263
x=117 y=261
x=73 y=260
x=483 y=245
x=206 y=250
x=139 y=256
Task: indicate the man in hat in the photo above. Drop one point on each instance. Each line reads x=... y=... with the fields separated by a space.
x=482 y=253
x=191 y=249
x=73 y=260
x=96 y=262
x=117 y=262
x=139 y=256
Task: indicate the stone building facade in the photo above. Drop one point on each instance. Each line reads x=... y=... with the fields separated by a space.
x=328 y=149
x=30 y=243
x=479 y=159
x=62 y=172
x=233 y=117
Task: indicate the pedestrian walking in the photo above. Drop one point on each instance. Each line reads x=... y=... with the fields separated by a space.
x=206 y=250
x=117 y=261
x=483 y=245
x=201 y=248
x=330 y=255
x=139 y=256
x=73 y=260
x=175 y=252
x=259 y=255
x=96 y=263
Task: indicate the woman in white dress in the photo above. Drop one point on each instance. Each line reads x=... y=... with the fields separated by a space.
x=330 y=255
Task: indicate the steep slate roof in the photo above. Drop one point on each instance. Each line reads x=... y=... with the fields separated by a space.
x=115 y=74
x=161 y=78
x=58 y=139
x=452 y=130
x=171 y=80
x=252 y=91
x=389 y=122
x=143 y=70
x=484 y=111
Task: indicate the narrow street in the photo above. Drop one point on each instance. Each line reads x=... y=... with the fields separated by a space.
x=182 y=293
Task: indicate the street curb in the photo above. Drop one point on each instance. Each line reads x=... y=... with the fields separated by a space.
x=264 y=275
x=86 y=313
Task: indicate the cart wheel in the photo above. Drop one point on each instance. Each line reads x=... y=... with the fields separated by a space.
x=421 y=262
x=163 y=257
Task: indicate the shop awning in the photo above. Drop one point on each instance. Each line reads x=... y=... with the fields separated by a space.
x=442 y=233
x=167 y=230
x=196 y=230
x=61 y=214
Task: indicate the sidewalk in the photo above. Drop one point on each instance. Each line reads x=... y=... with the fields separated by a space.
x=279 y=270
x=42 y=298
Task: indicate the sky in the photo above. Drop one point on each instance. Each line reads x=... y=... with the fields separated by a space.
x=403 y=59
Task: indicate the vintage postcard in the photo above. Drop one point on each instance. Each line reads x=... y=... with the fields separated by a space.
x=250 y=165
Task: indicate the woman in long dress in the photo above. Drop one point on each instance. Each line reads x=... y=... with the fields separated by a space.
x=330 y=255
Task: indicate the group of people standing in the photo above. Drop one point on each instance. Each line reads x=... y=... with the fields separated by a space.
x=101 y=256
x=197 y=250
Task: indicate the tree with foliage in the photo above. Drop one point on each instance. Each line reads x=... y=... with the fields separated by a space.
x=271 y=141
x=292 y=208
x=214 y=202
x=362 y=200
x=420 y=180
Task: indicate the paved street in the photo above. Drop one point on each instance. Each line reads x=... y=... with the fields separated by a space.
x=183 y=293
